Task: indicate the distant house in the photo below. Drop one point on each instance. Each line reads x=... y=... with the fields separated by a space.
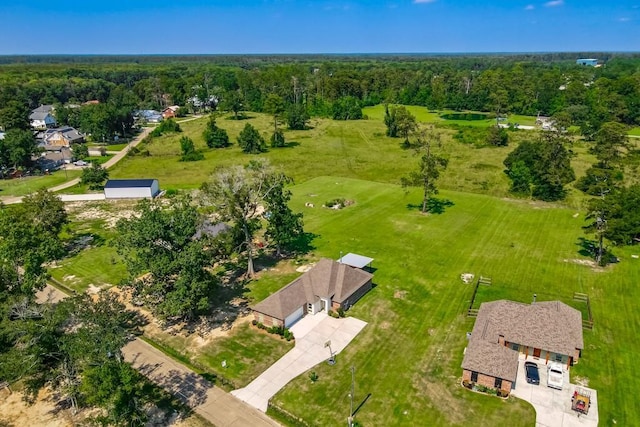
x=52 y=160
x=329 y=285
x=149 y=116
x=170 y=112
x=590 y=62
x=544 y=331
x=131 y=188
x=42 y=117
x=60 y=137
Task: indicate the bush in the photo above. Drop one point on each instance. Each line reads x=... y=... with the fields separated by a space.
x=340 y=312
x=254 y=322
x=166 y=126
x=313 y=376
x=214 y=136
x=277 y=139
x=250 y=140
x=336 y=202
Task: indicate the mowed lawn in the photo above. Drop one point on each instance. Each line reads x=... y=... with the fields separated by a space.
x=408 y=357
x=30 y=184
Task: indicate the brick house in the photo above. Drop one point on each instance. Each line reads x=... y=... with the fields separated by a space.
x=329 y=285
x=170 y=112
x=544 y=331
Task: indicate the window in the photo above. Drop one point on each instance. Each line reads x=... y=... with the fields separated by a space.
x=515 y=347
x=558 y=358
x=474 y=377
x=498 y=383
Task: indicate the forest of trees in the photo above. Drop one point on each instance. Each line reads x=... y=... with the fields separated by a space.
x=329 y=87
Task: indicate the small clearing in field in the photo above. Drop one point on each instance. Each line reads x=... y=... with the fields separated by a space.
x=85 y=211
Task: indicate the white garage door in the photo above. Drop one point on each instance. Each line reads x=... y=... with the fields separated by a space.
x=294 y=317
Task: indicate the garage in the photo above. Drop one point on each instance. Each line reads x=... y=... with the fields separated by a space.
x=293 y=317
x=131 y=188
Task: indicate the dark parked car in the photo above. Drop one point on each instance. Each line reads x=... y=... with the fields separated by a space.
x=533 y=376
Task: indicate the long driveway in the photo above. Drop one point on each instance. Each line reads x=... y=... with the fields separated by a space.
x=215 y=405
x=311 y=333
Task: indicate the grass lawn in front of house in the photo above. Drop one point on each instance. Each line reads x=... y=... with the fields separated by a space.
x=635 y=131
x=247 y=351
x=408 y=357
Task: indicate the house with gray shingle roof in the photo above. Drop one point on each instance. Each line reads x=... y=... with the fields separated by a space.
x=329 y=285
x=42 y=117
x=544 y=331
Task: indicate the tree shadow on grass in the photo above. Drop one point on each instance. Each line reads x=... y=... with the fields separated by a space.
x=434 y=205
x=291 y=144
x=587 y=247
x=240 y=117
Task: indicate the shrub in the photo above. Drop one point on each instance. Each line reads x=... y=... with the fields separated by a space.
x=336 y=202
x=166 y=126
x=313 y=376
x=254 y=322
x=340 y=312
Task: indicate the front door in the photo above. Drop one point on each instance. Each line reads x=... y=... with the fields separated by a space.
x=536 y=352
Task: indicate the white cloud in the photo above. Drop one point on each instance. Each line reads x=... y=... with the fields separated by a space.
x=423 y=1
x=529 y=7
x=554 y=3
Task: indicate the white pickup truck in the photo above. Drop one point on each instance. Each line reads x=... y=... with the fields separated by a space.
x=555 y=375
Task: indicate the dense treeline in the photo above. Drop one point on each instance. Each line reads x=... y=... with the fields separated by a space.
x=525 y=84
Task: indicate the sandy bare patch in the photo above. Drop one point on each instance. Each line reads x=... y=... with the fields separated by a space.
x=587 y=262
x=87 y=212
x=306 y=267
x=467 y=277
x=15 y=412
x=400 y=294
x=385 y=325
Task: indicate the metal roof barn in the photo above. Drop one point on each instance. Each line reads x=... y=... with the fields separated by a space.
x=131 y=188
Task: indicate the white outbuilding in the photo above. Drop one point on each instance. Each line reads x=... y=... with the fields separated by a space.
x=131 y=188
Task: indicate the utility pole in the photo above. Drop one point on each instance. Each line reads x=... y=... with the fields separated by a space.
x=353 y=390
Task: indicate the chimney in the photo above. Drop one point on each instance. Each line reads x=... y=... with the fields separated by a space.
x=501 y=339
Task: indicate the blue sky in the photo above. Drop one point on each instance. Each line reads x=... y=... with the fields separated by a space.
x=324 y=26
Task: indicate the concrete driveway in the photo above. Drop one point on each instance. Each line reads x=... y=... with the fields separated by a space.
x=311 y=334
x=553 y=407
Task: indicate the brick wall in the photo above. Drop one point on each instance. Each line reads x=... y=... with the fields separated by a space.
x=267 y=320
x=487 y=381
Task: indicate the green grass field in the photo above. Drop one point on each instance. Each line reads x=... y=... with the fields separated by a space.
x=408 y=357
x=350 y=149
x=30 y=184
x=424 y=115
x=635 y=131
